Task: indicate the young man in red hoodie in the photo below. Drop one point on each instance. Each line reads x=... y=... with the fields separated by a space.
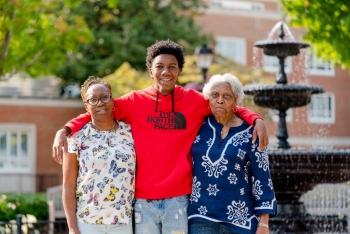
x=164 y=119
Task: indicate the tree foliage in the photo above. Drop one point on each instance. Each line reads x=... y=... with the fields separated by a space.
x=126 y=79
x=124 y=33
x=36 y=35
x=328 y=26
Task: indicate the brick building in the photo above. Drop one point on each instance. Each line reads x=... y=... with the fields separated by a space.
x=237 y=25
x=31 y=113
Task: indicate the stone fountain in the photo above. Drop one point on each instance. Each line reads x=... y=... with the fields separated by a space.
x=294 y=172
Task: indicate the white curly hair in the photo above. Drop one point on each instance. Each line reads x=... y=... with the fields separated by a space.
x=233 y=81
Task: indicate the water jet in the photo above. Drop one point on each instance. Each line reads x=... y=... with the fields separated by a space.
x=294 y=172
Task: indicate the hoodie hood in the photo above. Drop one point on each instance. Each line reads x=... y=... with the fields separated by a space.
x=176 y=95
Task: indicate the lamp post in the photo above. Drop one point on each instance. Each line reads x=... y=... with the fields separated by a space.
x=204 y=59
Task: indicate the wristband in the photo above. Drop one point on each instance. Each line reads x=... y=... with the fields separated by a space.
x=263 y=225
x=67 y=130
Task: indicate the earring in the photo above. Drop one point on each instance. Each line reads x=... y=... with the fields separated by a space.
x=113 y=108
x=235 y=109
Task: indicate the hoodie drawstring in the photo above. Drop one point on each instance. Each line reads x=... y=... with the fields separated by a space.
x=156 y=101
x=172 y=102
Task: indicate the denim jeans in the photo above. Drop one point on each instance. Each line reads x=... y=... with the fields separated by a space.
x=164 y=216
x=85 y=228
x=208 y=228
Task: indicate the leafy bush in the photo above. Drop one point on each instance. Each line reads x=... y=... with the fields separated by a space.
x=13 y=204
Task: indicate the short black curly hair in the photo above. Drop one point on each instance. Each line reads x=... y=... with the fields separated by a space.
x=165 y=47
x=90 y=81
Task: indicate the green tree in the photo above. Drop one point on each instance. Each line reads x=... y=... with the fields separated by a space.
x=328 y=26
x=36 y=35
x=124 y=33
x=126 y=79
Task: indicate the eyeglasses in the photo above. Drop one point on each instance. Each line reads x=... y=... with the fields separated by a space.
x=93 y=101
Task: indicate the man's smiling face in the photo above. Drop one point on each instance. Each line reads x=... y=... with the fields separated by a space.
x=165 y=71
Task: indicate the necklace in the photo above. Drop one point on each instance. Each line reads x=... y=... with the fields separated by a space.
x=227 y=125
x=107 y=132
x=95 y=127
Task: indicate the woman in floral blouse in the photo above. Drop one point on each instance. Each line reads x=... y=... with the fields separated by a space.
x=99 y=171
x=232 y=189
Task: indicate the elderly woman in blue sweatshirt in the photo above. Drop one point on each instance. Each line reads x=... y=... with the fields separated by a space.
x=232 y=189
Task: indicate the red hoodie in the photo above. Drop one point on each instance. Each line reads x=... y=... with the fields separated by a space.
x=164 y=128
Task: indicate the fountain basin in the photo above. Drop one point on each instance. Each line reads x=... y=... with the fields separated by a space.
x=281 y=96
x=294 y=172
x=281 y=48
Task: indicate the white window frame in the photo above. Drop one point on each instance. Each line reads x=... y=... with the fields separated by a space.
x=317 y=67
x=328 y=105
x=30 y=131
x=239 y=5
x=271 y=64
x=234 y=48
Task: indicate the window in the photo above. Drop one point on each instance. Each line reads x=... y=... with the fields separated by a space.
x=318 y=67
x=17 y=157
x=238 y=5
x=271 y=64
x=322 y=108
x=16 y=148
x=233 y=48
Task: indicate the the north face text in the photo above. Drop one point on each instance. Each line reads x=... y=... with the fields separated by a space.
x=168 y=120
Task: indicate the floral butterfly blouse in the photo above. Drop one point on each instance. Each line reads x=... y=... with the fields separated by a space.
x=106 y=177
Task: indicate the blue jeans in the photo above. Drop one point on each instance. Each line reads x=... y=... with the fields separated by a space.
x=85 y=228
x=164 y=216
x=208 y=228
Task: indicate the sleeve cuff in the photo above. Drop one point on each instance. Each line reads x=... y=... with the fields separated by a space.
x=256 y=119
x=68 y=130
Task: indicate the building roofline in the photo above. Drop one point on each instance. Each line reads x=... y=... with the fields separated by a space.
x=39 y=102
x=275 y=15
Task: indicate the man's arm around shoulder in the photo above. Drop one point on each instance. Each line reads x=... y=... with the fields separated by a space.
x=60 y=141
